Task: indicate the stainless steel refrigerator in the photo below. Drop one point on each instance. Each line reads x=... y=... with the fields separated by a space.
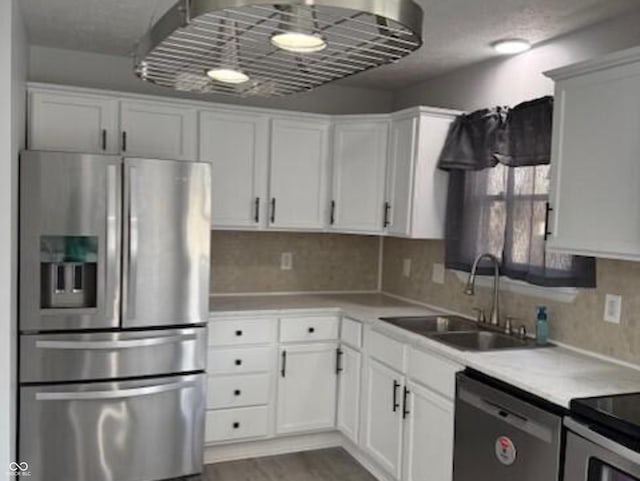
x=113 y=304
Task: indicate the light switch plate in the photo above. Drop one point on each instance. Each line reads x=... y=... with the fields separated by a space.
x=437 y=273
x=406 y=267
x=612 y=308
x=286 y=261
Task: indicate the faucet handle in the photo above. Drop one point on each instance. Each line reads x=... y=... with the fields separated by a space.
x=522 y=332
x=480 y=315
x=508 y=326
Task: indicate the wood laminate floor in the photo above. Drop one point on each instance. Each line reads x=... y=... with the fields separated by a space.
x=333 y=464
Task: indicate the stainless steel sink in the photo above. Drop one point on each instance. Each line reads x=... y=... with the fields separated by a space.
x=483 y=341
x=461 y=333
x=432 y=324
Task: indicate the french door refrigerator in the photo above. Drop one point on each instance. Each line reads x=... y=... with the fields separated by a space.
x=114 y=285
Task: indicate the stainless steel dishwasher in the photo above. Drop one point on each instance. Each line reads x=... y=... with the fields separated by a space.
x=503 y=435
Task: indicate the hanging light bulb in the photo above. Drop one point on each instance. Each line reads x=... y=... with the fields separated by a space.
x=228 y=70
x=297 y=26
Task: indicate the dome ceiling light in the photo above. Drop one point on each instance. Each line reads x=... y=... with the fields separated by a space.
x=274 y=47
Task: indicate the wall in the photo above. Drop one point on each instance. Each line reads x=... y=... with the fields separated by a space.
x=578 y=323
x=510 y=80
x=250 y=262
x=86 y=69
x=13 y=54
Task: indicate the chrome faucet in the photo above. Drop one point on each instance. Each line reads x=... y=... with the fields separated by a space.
x=471 y=282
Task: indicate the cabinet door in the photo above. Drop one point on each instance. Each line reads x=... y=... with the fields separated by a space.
x=359 y=163
x=73 y=123
x=428 y=445
x=236 y=145
x=158 y=130
x=401 y=176
x=596 y=164
x=349 y=369
x=383 y=419
x=298 y=179
x=307 y=388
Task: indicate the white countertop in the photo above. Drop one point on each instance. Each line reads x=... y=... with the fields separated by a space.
x=557 y=374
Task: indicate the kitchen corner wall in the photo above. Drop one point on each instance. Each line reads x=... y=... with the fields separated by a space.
x=579 y=323
x=249 y=262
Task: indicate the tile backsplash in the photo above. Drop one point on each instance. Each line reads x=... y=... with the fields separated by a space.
x=579 y=323
x=243 y=262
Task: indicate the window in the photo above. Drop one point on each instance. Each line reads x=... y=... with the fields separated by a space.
x=498 y=161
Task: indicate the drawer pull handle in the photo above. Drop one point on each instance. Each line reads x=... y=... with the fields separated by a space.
x=237 y=392
x=283 y=370
x=238 y=333
x=236 y=425
x=312 y=330
x=238 y=362
x=405 y=405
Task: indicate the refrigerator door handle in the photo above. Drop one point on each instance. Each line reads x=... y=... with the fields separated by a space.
x=118 y=394
x=112 y=271
x=122 y=344
x=132 y=248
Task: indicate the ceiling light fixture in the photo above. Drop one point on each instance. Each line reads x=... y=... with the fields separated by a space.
x=298 y=25
x=511 y=46
x=299 y=42
x=227 y=75
x=271 y=47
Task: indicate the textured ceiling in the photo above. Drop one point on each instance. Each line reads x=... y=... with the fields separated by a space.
x=456 y=32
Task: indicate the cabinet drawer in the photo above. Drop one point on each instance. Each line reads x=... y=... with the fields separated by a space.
x=237 y=391
x=386 y=350
x=238 y=361
x=232 y=424
x=351 y=332
x=303 y=329
x=433 y=372
x=242 y=331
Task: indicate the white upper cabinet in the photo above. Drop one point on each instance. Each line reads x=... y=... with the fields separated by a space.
x=298 y=178
x=359 y=168
x=73 y=122
x=306 y=388
x=237 y=147
x=595 y=166
x=416 y=189
x=159 y=130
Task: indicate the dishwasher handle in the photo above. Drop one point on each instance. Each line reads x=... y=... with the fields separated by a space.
x=506 y=414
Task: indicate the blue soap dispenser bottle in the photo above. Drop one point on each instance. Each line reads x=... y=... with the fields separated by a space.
x=542 y=326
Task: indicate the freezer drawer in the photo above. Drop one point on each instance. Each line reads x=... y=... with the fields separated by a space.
x=126 y=431
x=107 y=355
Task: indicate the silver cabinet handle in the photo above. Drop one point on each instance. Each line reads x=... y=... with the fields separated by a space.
x=119 y=394
x=122 y=344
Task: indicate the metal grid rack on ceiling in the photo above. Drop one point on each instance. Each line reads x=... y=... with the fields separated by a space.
x=241 y=38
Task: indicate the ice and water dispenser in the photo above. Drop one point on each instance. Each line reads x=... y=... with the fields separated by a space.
x=68 y=277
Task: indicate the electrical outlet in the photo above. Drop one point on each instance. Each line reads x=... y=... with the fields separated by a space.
x=406 y=267
x=612 y=308
x=286 y=261
x=437 y=273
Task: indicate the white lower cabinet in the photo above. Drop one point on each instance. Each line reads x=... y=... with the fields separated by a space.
x=306 y=388
x=383 y=420
x=428 y=438
x=349 y=371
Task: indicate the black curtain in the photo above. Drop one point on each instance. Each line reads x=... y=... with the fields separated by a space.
x=498 y=161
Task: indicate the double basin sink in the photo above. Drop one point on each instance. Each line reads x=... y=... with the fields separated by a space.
x=461 y=333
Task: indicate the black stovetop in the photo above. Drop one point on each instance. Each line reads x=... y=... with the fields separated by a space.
x=617 y=417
